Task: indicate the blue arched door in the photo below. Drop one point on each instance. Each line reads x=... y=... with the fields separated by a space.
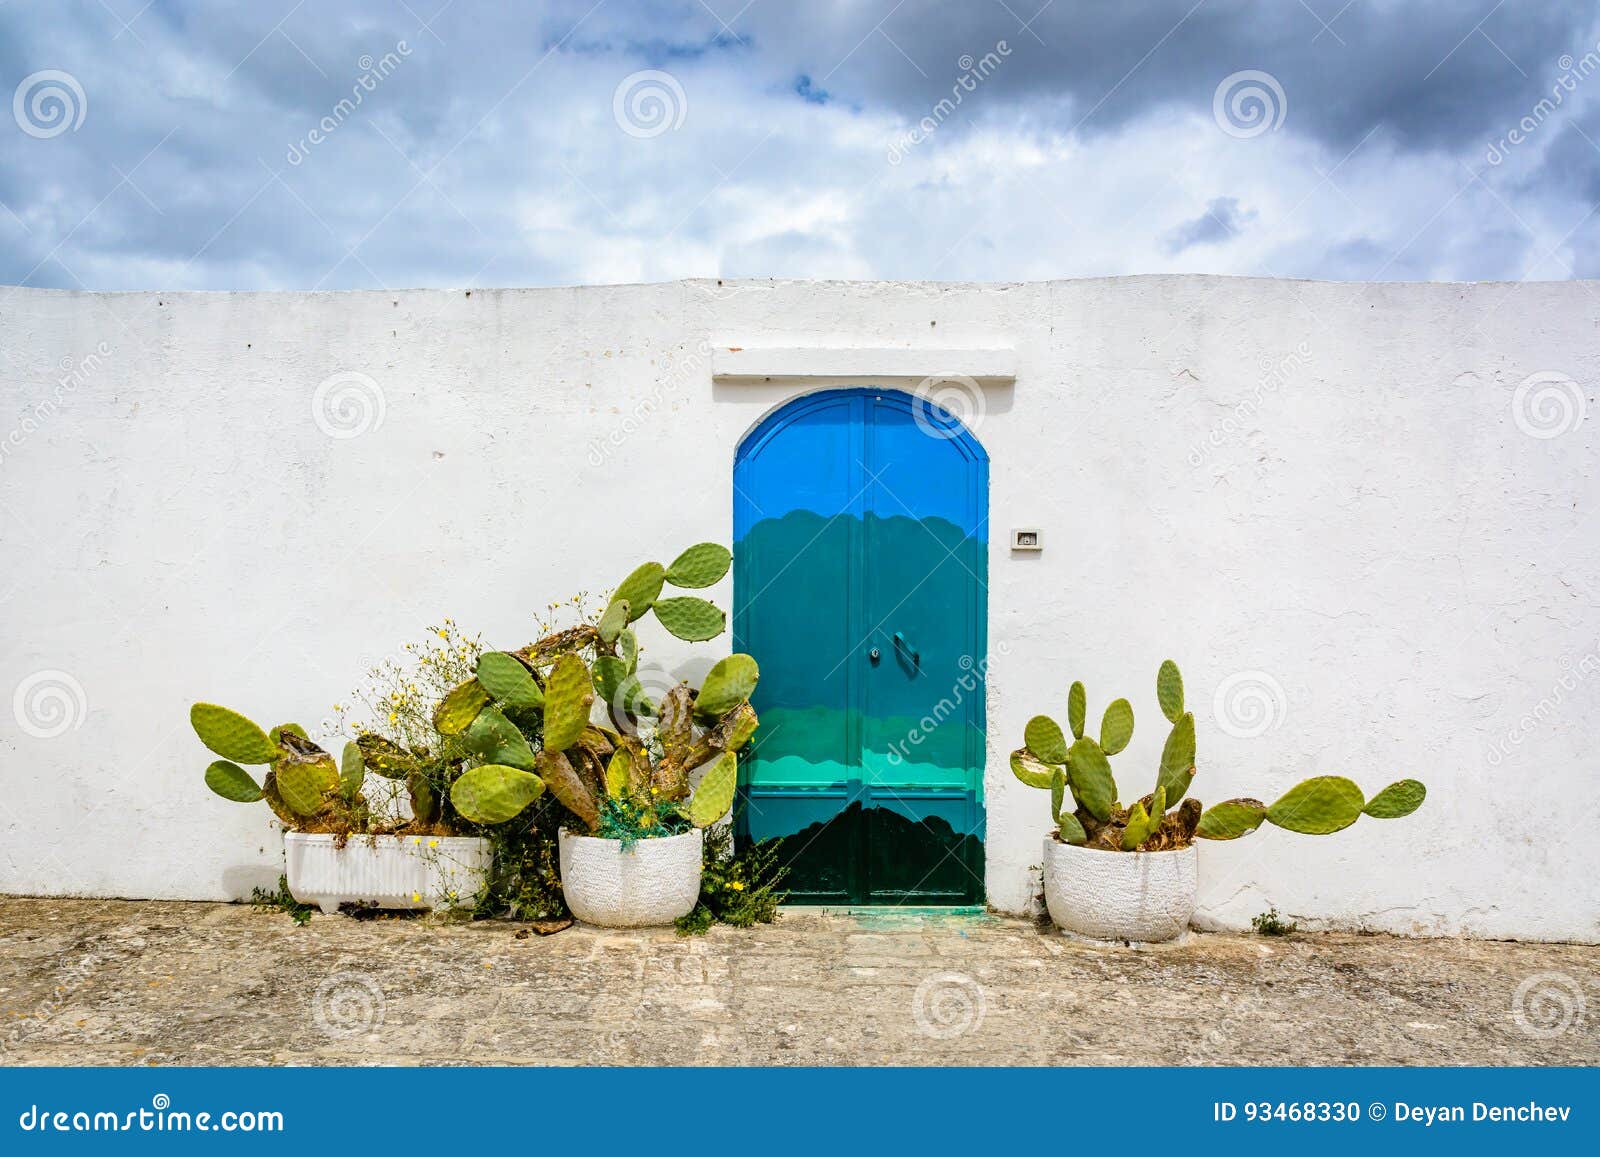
x=860 y=585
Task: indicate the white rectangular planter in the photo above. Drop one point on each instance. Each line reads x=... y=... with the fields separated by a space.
x=386 y=871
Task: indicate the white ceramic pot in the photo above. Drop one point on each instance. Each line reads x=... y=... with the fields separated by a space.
x=651 y=883
x=1138 y=897
x=386 y=871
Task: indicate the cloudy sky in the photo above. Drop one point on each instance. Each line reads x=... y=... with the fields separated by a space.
x=282 y=144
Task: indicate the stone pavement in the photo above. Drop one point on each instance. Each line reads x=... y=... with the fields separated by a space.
x=121 y=982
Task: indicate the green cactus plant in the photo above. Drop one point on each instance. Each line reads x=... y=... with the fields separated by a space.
x=634 y=775
x=1164 y=819
x=303 y=785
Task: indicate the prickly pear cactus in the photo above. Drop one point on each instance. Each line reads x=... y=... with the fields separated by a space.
x=494 y=793
x=231 y=781
x=568 y=695
x=1116 y=726
x=702 y=565
x=460 y=707
x=1077 y=709
x=1044 y=739
x=231 y=735
x=639 y=589
x=508 y=680
x=1319 y=806
x=728 y=684
x=691 y=619
x=1092 y=782
x=1397 y=800
x=562 y=782
x=714 y=796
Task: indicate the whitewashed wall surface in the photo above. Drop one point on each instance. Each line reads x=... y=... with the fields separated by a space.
x=1361 y=517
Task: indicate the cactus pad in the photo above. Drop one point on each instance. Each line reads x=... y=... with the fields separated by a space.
x=618 y=773
x=385 y=757
x=494 y=793
x=460 y=707
x=231 y=781
x=277 y=732
x=1231 y=819
x=568 y=695
x=1177 y=760
x=495 y=739
x=352 y=771
x=690 y=619
x=639 y=589
x=700 y=566
x=1028 y=768
x=1092 y=782
x=628 y=648
x=563 y=783
x=1116 y=726
x=614 y=620
x=1070 y=830
x=1318 y=806
x=1077 y=709
x=305 y=784
x=1043 y=737
x=231 y=735
x=609 y=674
x=1396 y=800
x=1169 y=690
x=505 y=677
x=714 y=796
x=727 y=685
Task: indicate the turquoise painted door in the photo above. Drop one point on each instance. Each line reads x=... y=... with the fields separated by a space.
x=860 y=583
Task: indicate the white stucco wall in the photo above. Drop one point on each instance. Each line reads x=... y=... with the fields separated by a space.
x=1382 y=543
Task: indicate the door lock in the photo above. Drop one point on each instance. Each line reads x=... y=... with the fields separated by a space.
x=874 y=654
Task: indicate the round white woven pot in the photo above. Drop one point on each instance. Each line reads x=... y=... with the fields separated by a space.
x=1142 y=897
x=652 y=883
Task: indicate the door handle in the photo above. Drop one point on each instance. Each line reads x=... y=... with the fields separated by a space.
x=900 y=642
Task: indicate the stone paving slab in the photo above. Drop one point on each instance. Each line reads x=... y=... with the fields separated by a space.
x=102 y=982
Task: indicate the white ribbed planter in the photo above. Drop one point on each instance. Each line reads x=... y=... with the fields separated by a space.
x=652 y=883
x=1141 y=897
x=386 y=871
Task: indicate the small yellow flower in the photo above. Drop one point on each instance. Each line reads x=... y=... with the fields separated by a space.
x=433 y=843
x=416 y=897
x=736 y=885
x=393 y=717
